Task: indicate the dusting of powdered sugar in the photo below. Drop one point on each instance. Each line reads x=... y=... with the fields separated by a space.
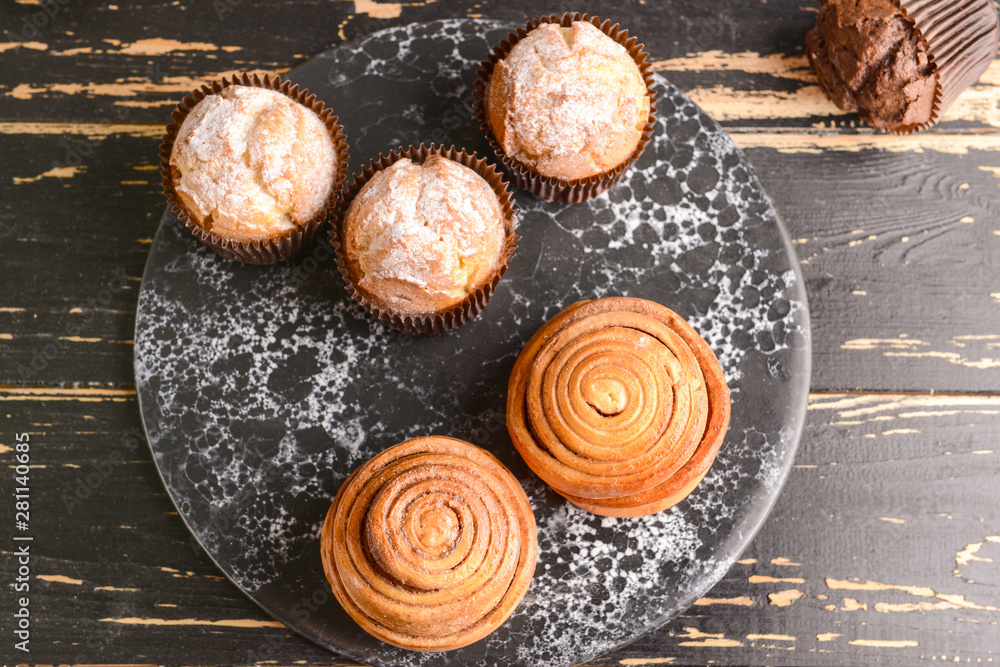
x=569 y=102
x=252 y=162
x=424 y=236
x=262 y=388
x=692 y=214
x=288 y=376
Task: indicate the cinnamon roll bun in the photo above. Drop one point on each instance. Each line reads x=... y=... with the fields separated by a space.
x=619 y=405
x=430 y=545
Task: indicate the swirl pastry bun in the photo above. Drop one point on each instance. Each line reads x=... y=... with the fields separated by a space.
x=430 y=545
x=619 y=405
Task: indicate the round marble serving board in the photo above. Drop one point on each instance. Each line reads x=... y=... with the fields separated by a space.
x=261 y=388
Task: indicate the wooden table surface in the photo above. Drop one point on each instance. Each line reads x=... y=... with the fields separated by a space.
x=884 y=546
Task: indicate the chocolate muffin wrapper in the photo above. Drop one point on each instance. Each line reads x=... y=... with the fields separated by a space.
x=554 y=189
x=287 y=244
x=472 y=305
x=961 y=38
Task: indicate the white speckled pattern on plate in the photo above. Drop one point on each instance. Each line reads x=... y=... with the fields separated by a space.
x=261 y=388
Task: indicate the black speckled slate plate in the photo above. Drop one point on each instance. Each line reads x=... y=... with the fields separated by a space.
x=261 y=388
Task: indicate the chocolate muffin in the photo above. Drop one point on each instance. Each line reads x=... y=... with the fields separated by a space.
x=900 y=63
x=869 y=59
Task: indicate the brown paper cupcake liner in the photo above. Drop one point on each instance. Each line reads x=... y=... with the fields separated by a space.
x=576 y=190
x=472 y=305
x=289 y=243
x=961 y=38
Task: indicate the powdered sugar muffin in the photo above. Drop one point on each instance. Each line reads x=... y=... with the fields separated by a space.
x=568 y=102
x=250 y=167
x=425 y=237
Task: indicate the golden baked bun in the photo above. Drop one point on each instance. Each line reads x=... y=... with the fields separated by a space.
x=249 y=164
x=417 y=239
x=618 y=405
x=567 y=102
x=430 y=545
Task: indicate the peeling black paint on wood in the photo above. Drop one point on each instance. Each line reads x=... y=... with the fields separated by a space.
x=44 y=84
x=889 y=489
x=907 y=310
x=892 y=493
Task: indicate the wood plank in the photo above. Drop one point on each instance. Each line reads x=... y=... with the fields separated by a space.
x=898 y=245
x=78 y=211
x=882 y=547
x=884 y=544
x=871 y=554
x=69 y=68
x=113 y=581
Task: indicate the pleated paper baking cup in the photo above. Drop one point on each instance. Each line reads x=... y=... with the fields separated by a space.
x=284 y=245
x=459 y=314
x=961 y=38
x=575 y=190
